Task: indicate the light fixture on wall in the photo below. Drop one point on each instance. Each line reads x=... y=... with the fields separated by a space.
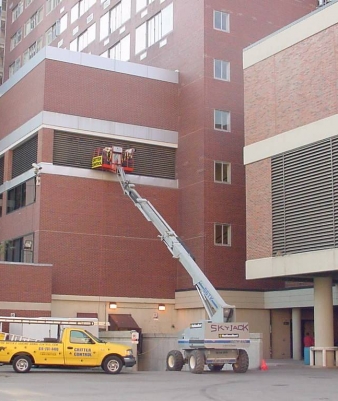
x=161 y=307
x=112 y=305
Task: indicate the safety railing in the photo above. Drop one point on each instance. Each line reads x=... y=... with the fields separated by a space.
x=321 y=352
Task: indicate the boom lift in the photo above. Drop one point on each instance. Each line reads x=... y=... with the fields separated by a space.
x=213 y=342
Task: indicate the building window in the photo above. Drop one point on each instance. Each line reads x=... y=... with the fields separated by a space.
x=222 y=120
x=34 y=20
x=21 y=196
x=52 y=32
x=222 y=234
x=63 y=23
x=16 y=39
x=120 y=51
x=222 y=172
x=51 y=4
x=13 y=68
x=115 y=18
x=32 y=50
x=82 y=41
x=140 y=4
x=154 y=29
x=222 y=70
x=28 y=2
x=0 y=205
x=80 y=8
x=17 y=11
x=18 y=250
x=221 y=21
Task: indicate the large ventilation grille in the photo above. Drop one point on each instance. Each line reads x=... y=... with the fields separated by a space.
x=2 y=159
x=77 y=150
x=305 y=198
x=24 y=155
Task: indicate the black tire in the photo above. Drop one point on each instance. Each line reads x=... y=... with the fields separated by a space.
x=242 y=364
x=175 y=361
x=112 y=365
x=22 y=364
x=196 y=361
x=215 y=367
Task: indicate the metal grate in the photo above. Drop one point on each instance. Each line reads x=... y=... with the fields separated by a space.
x=24 y=155
x=305 y=198
x=77 y=150
x=2 y=166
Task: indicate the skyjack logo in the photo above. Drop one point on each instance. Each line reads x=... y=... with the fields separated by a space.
x=229 y=327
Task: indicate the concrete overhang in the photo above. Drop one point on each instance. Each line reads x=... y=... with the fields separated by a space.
x=300 y=267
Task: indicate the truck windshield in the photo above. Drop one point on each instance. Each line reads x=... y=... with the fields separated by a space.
x=94 y=338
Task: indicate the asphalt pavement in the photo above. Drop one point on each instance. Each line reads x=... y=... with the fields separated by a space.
x=283 y=381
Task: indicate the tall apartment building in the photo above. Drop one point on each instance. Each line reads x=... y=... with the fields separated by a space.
x=163 y=76
x=3 y=8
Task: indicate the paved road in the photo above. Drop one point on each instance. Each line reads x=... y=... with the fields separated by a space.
x=282 y=382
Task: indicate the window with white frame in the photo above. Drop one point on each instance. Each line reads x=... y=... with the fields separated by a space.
x=140 y=4
x=28 y=2
x=222 y=70
x=221 y=21
x=16 y=39
x=14 y=66
x=83 y=40
x=17 y=11
x=222 y=172
x=121 y=50
x=222 y=120
x=32 y=50
x=34 y=20
x=63 y=23
x=51 y=4
x=222 y=234
x=52 y=32
x=154 y=29
x=80 y=8
x=115 y=18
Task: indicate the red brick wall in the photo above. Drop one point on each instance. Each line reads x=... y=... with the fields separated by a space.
x=100 y=244
x=23 y=101
x=25 y=283
x=259 y=213
x=89 y=92
x=106 y=95
x=293 y=88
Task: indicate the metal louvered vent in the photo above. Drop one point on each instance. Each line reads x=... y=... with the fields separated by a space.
x=305 y=198
x=2 y=160
x=24 y=155
x=76 y=150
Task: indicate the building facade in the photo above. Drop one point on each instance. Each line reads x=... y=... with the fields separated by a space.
x=291 y=165
x=166 y=78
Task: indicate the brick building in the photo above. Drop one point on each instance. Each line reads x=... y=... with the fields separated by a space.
x=166 y=78
x=291 y=164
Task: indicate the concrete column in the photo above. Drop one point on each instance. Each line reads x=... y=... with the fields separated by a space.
x=323 y=318
x=296 y=334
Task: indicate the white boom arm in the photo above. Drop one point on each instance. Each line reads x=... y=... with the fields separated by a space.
x=217 y=309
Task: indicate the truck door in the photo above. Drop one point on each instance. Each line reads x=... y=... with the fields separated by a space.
x=80 y=349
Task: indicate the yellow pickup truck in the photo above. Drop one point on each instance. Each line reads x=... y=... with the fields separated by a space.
x=75 y=348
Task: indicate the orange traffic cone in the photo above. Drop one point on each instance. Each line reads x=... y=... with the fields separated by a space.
x=264 y=366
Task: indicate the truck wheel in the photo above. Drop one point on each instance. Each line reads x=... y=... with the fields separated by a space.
x=242 y=364
x=22 y=364
x=112 y=364
x=215 y=367
x=196 y=361
x=175 y=360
